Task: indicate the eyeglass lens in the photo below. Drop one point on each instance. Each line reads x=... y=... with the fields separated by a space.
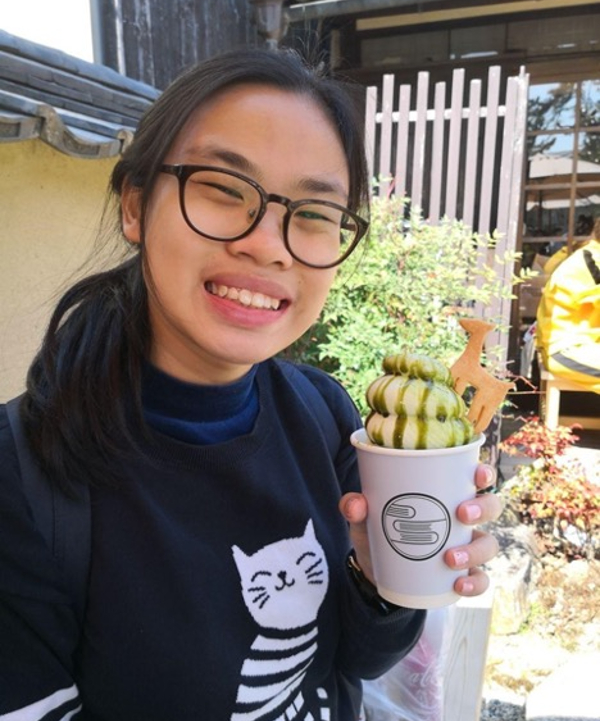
x=225 y=207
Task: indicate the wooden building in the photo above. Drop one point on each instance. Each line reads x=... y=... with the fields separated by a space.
x=154 y=41
x=556 y=43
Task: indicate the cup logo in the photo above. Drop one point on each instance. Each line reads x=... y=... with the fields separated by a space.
x=416 y=525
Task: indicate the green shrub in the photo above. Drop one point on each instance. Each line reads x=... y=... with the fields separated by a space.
x=406 y=288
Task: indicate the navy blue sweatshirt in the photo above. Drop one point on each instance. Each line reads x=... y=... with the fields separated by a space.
x=218 y=586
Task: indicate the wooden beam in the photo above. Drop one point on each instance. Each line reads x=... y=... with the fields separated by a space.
x=465 y=667
x=462 y=13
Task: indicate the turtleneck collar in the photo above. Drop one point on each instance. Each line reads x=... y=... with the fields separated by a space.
x=198 y=413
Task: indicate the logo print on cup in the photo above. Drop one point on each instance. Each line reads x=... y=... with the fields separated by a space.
x=416 y=525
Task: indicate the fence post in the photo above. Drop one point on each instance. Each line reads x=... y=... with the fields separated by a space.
x=467 y=654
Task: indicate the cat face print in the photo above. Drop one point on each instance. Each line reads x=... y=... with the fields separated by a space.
x=284 y=583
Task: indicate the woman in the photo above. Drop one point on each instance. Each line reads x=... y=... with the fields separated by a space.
x=218 y=585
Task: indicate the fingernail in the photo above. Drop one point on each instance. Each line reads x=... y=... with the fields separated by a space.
x=467 y=587
x=473 y=512
x=350 y=505
x=461 y=558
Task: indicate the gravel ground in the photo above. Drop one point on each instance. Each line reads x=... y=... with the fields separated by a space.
x=495 y=710
x=563 y=624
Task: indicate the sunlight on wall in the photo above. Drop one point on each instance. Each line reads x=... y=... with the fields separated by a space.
x=52 y=205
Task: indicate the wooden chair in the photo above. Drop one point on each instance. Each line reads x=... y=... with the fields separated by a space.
x=551 y=387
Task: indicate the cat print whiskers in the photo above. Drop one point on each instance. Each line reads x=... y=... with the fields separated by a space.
x=309 y=563
x=283 y=587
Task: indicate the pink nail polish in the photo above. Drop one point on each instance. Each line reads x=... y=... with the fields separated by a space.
x=473 y=513
x=461 y=558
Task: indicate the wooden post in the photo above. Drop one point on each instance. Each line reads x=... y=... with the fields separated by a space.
x=402 y=140
x=467 y=654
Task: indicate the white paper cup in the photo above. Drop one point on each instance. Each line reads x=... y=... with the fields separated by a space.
x=413 y=496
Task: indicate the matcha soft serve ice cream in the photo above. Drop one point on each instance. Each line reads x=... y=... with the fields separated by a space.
x=417 y=456
x=414 y=405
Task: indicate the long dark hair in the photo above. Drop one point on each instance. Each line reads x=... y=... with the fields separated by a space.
x=83 y=400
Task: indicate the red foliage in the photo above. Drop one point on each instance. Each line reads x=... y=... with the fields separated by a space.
x=553 y=492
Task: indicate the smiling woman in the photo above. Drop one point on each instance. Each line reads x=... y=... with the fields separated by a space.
x=202 y=337
x=222 y=515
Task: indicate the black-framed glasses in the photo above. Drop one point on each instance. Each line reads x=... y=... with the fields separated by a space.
x=224 y=205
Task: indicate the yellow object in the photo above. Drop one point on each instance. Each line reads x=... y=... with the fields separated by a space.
x=555 y=260
x=568 y=319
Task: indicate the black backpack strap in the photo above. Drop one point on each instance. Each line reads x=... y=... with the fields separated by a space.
x=316 y=402
x=64 y=522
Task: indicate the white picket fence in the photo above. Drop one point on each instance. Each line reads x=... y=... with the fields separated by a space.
x=464 y=160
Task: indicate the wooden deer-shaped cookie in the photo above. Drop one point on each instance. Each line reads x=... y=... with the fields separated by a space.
x=468 y=371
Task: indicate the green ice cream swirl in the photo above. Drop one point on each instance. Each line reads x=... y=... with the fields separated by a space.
x=414 y=405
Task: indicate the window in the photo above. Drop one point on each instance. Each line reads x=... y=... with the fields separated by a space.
x=522 y=39
x=562 y=192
